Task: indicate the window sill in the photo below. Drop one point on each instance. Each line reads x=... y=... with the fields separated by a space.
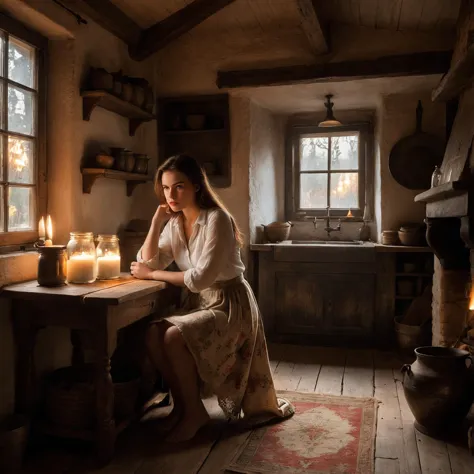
x=18 y=266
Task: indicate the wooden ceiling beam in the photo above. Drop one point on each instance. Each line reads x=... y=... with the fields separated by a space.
x=109 y=17
x=157 y=36
x=415 y=64
x=318 y=37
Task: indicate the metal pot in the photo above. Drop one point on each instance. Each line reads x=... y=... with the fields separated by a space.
x=439 y=388
x=277 y=231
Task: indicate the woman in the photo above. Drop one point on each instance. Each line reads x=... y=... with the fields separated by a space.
x=216 y=344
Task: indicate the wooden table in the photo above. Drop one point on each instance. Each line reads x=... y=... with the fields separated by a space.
x=100 y=309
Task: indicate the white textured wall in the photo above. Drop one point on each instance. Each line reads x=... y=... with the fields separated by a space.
x=266 y=164
x=397 y=121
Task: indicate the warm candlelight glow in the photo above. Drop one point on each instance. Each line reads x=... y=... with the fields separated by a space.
x=81 y=268
x=49 y=228
x=471 y=300
x=108 y=267
x=349 y=214
x=41 y=230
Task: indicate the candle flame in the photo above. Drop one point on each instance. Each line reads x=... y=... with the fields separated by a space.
x=49 y=228
x=471 y=300
x=349 y=214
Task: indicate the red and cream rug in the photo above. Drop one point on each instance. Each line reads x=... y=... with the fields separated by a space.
x=327 y=434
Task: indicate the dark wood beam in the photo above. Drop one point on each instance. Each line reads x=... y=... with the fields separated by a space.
x=109 y=17
x=317 y=36
x=157 y=36
x=461 y=73
x=416 y=64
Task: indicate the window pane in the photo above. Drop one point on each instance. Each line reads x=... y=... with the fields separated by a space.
x=345 y=152
x=313 y=191
x=20 y=161
x=21 y=62
x=20 y=208
x=345 y=190
x=2 y=52
x=20 y=111
x=313 y=153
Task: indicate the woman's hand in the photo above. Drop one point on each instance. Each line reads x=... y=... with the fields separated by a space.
x=163 y=214
x=141 y=271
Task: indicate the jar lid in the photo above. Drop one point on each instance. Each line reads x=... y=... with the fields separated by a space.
x=82 y=235
x=279 y=224
x=105 y=237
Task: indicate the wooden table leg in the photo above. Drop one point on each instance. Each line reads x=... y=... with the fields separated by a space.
x=25 y=338
x=104 y=397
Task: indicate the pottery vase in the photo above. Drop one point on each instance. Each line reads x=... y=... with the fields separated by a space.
x=439 y=388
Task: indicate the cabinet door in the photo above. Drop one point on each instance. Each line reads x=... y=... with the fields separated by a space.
x=299 y=303
x=349 y=304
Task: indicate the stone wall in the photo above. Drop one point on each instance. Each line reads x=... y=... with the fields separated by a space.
x=450 y=304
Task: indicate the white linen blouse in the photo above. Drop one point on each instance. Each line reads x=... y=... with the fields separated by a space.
x=212 y=254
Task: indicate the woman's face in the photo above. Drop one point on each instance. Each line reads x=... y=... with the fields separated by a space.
x=178 y=190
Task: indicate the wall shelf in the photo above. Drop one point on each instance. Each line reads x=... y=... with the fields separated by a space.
x=98 y=98
x=89 y=176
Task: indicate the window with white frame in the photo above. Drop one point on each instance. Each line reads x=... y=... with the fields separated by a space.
x=19 y=137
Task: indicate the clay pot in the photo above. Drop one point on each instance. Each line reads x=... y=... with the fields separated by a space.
x=127 y=91
x=277 y=231
x=141 y=163
x=439 y=388
x=100 y=79
x=103 y=160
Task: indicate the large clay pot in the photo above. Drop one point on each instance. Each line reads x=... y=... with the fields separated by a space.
x=439 y=388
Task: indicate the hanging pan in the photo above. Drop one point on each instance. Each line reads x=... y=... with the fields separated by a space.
x=413 y=159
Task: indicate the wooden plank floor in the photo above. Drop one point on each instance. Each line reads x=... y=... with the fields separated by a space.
x=399 y=449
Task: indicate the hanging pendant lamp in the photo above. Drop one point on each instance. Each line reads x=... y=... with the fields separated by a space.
x=330 y=120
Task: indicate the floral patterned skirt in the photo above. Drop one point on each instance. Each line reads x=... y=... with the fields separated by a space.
x=223 y=331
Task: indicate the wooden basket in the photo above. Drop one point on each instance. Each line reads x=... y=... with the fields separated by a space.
x=70 y=397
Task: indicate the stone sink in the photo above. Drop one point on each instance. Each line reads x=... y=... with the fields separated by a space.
x=327 y=242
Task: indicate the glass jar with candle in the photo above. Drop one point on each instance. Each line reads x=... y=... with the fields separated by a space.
x=82 y=260
x=108 y=257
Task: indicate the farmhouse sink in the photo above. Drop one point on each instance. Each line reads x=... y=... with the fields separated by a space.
x=327 y=242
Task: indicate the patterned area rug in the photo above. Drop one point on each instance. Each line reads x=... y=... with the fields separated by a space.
x=327 y=434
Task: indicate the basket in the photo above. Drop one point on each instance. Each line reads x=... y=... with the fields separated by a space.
x=14 y=432
x=70 y=397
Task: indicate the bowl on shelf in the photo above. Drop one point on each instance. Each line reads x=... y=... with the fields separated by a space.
x=195 y=121
x=390 y=237
x=102 y=160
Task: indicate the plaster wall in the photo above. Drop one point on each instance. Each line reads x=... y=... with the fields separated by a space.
x=397 y=120
x=69 y=139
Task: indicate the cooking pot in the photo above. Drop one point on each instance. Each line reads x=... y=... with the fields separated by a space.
x=277 y=231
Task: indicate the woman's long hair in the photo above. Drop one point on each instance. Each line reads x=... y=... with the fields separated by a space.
x=206 y=197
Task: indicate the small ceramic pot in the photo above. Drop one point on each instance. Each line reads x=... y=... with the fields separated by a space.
x=103 y=160
x=127 y=91
x=100 y=79
x=129 y=162
x=141 y=163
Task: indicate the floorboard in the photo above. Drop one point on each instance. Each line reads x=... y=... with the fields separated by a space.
x=399 y=449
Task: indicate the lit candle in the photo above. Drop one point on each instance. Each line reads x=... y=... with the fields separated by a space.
x=108 y=267
x=49 y=232
x=81 y=268
x=41 y=232
x=349 y=214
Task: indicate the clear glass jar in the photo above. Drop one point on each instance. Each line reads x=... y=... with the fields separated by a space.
x=108 y=257
x=82 y=260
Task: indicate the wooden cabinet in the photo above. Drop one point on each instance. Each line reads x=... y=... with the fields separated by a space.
x=317 y=302
x=312 y=303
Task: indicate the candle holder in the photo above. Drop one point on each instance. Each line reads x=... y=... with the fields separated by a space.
x=108 y=257
x=82 y=261
x=52 y=265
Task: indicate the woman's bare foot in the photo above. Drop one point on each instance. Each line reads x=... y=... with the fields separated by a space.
x=188 y=425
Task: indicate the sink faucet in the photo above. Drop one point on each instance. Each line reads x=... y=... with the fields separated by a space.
x=327 y=219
